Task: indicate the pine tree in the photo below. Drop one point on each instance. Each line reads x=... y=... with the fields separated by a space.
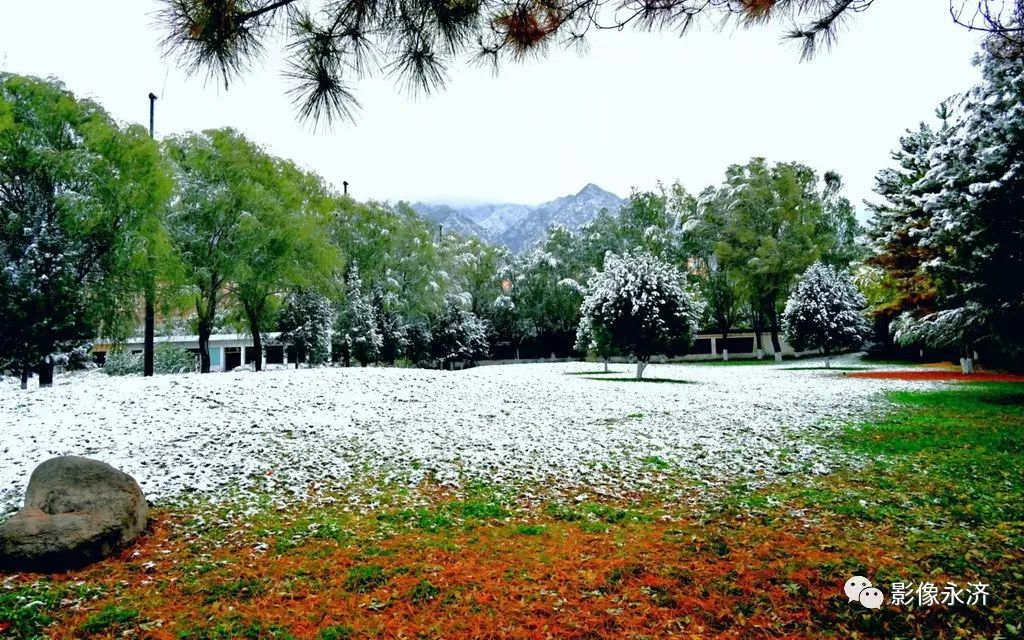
x=825 y=311
x=329 y=44
x=305 y=325
x=357 y=322
x=459 y=335
x=896 y=230
x=972 y=193
x=638 y=305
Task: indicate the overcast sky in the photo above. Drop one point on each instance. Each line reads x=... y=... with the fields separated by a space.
x=636 y=109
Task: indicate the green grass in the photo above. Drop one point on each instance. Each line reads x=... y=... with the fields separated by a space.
x=365 y=578
x=967 y=443
x=656 y=462
x=110 y=618
x=944 y=469
x=28 y=609
x=242 y=589
x=423 y=591
x=335 y=632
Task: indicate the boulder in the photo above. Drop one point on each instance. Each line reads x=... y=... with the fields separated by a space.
x=76 y=511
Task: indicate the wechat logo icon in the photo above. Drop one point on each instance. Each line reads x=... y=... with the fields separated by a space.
x=859 y=589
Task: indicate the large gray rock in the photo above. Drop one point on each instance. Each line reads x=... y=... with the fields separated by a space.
x=76 y=511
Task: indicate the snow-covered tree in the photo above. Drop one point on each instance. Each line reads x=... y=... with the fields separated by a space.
x=390 y=326
x=305 y=325
x=825 y=311
x=418 y=341
x=459 y=335
x=76 y=196
x=638 y=305
x=357 y=323
x=973 y=192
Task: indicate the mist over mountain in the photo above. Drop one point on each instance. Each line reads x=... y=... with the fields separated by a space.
x=520 y=226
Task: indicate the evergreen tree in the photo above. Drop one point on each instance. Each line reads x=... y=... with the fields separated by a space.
x=330 y=44
x=825 y=311
x=972 y=193
x=895 y=233
x=459 y=335
x=305 y=325
x=357 y=323
x=638 y=305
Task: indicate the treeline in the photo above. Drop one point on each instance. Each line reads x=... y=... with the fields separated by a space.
x=98 y=221
x=741 y=245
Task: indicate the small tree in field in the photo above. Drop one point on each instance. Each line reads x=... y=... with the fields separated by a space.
x=638 y=305
x=589 y=338
x=826 y=311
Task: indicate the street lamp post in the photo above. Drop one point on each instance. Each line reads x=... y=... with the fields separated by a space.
x=148 y=340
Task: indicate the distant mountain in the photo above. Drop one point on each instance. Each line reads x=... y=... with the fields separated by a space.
x=520 y=226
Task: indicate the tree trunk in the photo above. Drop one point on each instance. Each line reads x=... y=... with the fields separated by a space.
x=257 y=337
x=148 y=333
x=204 y=346
x=640 y=366
x=828 y=359
x=207 y=313
x=45 y=372
x=517 y=352
x=725 y=349
x=776 y=346
x=24 y=376
x=967 y=362
x=605 y=364
x=758 y=330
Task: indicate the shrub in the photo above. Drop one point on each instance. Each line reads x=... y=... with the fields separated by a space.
x=123 y=363
x=168 y=358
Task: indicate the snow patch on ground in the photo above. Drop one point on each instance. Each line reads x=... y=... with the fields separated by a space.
x=532 y=425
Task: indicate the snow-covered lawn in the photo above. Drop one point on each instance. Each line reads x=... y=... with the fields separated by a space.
x=529 y=425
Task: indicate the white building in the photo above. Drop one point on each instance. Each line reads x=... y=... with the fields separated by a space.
x=227 y=350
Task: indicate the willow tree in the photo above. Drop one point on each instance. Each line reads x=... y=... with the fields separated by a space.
x=284 y=242
x=78 y=195
x=331 y=44
x=223 y=185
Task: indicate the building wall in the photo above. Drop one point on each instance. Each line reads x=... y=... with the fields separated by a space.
x=219 y=343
